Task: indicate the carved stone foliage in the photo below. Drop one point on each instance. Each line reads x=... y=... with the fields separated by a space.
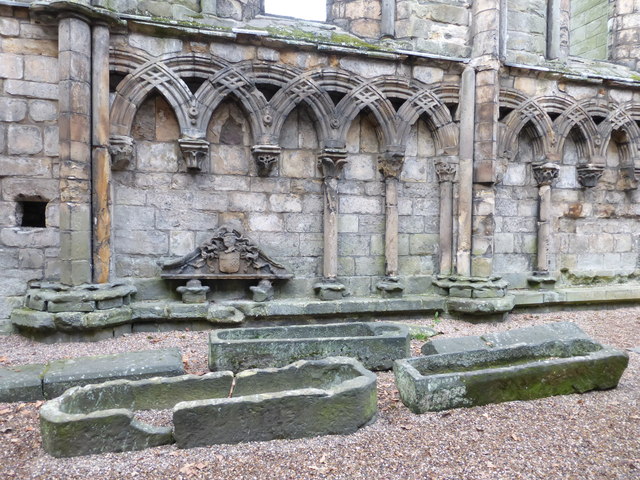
x=121 y=150
x=194 y=152
x=332 y=161
x=589 y=174
x=390 y=164
x=446 y=169
x=228 y=253
x=545 y=173
x=266 y=157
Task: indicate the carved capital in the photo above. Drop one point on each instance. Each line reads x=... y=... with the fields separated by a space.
x=390 y=164
x=121 y=150
x=446 y=169
x=545 y=173
x=266 y=157
x=331 y=161
x=194 y=152
x=589 y=174
x=629 y=176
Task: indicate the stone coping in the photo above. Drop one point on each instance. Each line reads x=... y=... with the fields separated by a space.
x=375 y=344
x=308 y=398
x=521 y=364
x=577 y=295
x=38 y=382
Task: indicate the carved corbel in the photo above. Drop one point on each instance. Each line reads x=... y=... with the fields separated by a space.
x=266 y=157
x=545 y=173
x=194 y=152
x=629 y=177
x=446 y=169
x=121 y=151
x=331 y=162
x=390 y=164
x=589 y=174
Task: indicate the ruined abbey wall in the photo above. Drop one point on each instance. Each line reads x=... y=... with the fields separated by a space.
x=474 y=139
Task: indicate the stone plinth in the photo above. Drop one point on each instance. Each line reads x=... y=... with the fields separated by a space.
x=376 y=345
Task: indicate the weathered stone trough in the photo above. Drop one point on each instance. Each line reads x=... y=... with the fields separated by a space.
x=307 y=398
x=517 y=371
x=376 y=345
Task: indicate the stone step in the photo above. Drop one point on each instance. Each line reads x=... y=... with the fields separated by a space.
x=39 y=382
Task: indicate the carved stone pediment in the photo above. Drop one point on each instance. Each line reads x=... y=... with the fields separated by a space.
x=227 y=254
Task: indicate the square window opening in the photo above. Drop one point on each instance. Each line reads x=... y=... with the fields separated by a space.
x=32 y=213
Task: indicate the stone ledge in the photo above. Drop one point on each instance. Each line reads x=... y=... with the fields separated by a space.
x=578 y=295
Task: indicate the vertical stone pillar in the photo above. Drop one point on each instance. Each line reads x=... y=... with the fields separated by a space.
x=465 y=172
x=388 y=18
x=101 y=165
x=544 y=174
x=331 y=162
x=390 y=165
x=74 y=60
x=554 y=21
x=446 y=170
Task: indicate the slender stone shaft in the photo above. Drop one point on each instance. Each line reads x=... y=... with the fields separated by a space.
x=544 y=174
x=553 y=29
x=446 y=170
x=390 y=165
x=465 y=173
x=331 y=162
x=101 y=166
x=74 y=61
x=388 y=18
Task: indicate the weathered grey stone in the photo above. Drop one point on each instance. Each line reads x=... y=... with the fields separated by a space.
x=376 y=345
x=556 y=333
x=99 y=418
x=517 y=372
x=308 y=398
x=63 y=374
x=21 y=383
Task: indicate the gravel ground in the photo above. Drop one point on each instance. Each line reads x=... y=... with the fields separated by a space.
x=590 y=436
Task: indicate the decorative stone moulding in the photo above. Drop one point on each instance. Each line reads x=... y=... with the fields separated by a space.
x=589 y=174
x=629 y=177
x=542 y=280
x=475 y=295
x=522 y=364
x=545 y=173
x=446 y=168
x=228 y=255
x=266 y=157
x=330 y=289
x=194 y=152
x=390 y=287
x=122 y=151
x=376 y=345
x=308 y=398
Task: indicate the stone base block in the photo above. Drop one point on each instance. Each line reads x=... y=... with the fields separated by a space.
x=21 y=383
x=481 y=306
x=330 y=290
x=390 y=288
x=376 y=345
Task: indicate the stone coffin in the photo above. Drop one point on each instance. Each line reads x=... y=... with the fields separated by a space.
x=308 y=398
x=479 y=376
x=376 y=345
x=330 y=396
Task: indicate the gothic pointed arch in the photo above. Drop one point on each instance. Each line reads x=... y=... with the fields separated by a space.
x=618 y=120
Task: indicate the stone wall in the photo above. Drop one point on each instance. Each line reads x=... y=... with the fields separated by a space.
x=441 y=28
x=28 y=153
x=526 y=31
x=589 y=28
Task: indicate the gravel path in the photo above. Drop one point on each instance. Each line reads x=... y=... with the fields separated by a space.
x=590 y=436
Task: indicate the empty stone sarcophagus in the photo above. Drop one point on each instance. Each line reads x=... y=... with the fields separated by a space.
x=376 y=345
x=100 y=418
x=318 y=397
x=478 y=372
x=307 y=398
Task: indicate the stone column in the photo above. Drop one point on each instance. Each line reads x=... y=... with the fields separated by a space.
x=544 y=174
x=465 y=172
x=331 y=162
x=388 y=18
x=446 y=170
x=101 y=167
x=74 y=60
x=390 y=165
